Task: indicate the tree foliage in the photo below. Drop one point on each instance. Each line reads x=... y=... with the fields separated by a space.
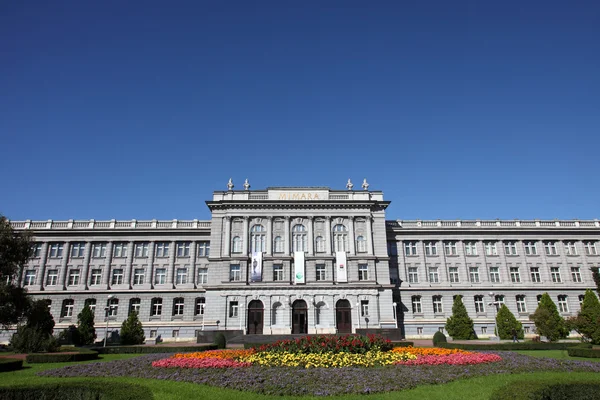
x=587 y=321
x=506 y=323
x=132 y=331
x=36 y=335
x=596 y=276
x=548 y=321
x=459 y=325
x=85 y=325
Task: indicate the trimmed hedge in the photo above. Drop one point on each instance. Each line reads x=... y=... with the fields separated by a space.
x=152 y=349
x=37 y=358
x=548 y=390
x=10 y=364
x=403 y=344
x=581 y=352
x=88 y=390
x=509 y=346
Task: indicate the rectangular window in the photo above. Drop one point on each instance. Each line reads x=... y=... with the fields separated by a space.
x=474 y=274
x=77 y=250
x=434 y=276
x=491 y=249
x=570 y=248
x=450 y=248
x=550 y=248
x=52 y=279
x=117 y=276
x=419 y=330
x=484 y=330
x=277 y=272
x=510 y=248
x=73 y=277
x=181 y=276
x=67 y=309
x=56 y=250
x=138 y=276
x=37 y=250
x=235 y=273
x=202 y=276
x=576 y=274
x=363 y=272
x=134 y=306
x=99 y=250
x=29 y=277
x=431 y=248
x=364 y=308
x=416 y=305
x=498 y=300
x=175 y=333
x=203 y=249
x=141 y=249
x=453 y=273
x=410 y=248
x=555 y=273
x=200 y=304
x=563 y=306
x=120 y=249
x=160 y=276
x=515 y=276
x=521 y=306
x=590 y=248
x=113 y=307
x=162 y=249
x=153 y=333
x=479 y=305
x=96 y=278
x=233 y=309
x=178 y=304
x=320 y=272
x=437 y=304
x=495 y=274
x=530 y=248
x=183 y=249
x=413 y=275
x=535 y=274
x=156 y=307
x=471 y=248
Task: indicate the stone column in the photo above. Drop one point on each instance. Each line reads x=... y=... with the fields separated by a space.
x=64 y=266
x=151 y=264
x=128 y=268
x=107 y=260
x=311 y=239
x=352 y=239
x=227 y=243
x=171 y=270
x=369 y=235
x=328 y=247
x=86 y=264
x=194 y=278
x=269 y=236
x=286 y=240
x=246 y=237
x=43 y=259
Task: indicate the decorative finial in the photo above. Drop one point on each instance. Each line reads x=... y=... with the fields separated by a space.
x=246 y=184
x=230 y=184
x=365 y=185
x=349 y=185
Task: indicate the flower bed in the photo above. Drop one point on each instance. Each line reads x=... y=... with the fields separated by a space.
x=199 y=363
x=330 y=344
x=452 y=359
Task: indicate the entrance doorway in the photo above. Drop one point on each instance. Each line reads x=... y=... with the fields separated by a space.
x=299 y=317
x=255 y=317
x=343 y=316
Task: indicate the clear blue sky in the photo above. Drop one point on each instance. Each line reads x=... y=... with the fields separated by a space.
x=454 y=109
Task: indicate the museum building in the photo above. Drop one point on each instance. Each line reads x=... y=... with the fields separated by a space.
x=305 y=260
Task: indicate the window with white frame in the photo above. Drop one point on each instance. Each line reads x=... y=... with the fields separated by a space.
x=470 y=248
x=233 y=309
x=320 y=242
x=453 y=274
x=321 y=272
x=576 y=274
x=56 y=250
x=570 y=248
x=29 y=277
x=99 y=250
x=134 y=305
x=37 y=250
x=183 y=249
x=160 y=276
x=590 y=248
x=235 y=272
x=202 y=276
x=236 y=244
x=52 y=278
x=581 y=298
x=535 y=274
x=120 y=249
x=141 y=249
x=203 y=249
x=364 y=308
x=491 y=249
x=257 y=237
x=340 y=238
x=91 y=303
x=363 y=272
x=521 y=306
x=77 y=249
x=138 y=276
x=495 y=274
x=113 y=307
x=499 y=300
x=550 y=248
x=419 y=330
x=416 y=305
x=299 y=238
x=539 y=298
x=410 y=248
x=117 y=276
x=156 y=307
x=181 y=276
x=278 y=272
x=515 y=275
x=361 y=244
x=510 y=248
x=450 y=248
x=479 y=304
x=96 y=277
x=67 y=308
x=413 y=275
x=555 y=274
x=178 y=304
x=530 y=248
x=73 y=277
x=437 y=304
x=434 y=276
x=278 y=244
x=162 y=249
x=563 y=305
x=474 y=274
x=430 y=248
x=200 y=303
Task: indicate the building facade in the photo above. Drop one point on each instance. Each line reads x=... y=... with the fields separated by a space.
x=305 y=261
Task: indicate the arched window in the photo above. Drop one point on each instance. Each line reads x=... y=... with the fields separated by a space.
x=361 y=244
x=200 y=304
x=258 y=238
x=237 y=244
x=340 y=237
x=156 y=307
x=277 y=314
x=299 y=237
x=320 y=244
x=278 y=245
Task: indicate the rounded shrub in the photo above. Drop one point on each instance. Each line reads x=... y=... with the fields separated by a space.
x=220 y=341
x=439 y=337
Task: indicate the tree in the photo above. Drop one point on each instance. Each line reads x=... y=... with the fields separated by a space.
x=36 y=335
x=131 y=330
x=596 y=276
x=587 y=321
x=85 y=325
x=548 y=321
x=459 y=325
x=506 y=323
x=15 y=251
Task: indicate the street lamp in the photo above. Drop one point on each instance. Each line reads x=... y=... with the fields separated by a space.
x=394 y=304
x=495 y=304
x=106 y=310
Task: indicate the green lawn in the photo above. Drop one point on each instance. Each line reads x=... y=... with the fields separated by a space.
x=558 y=354
x=476 y=388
